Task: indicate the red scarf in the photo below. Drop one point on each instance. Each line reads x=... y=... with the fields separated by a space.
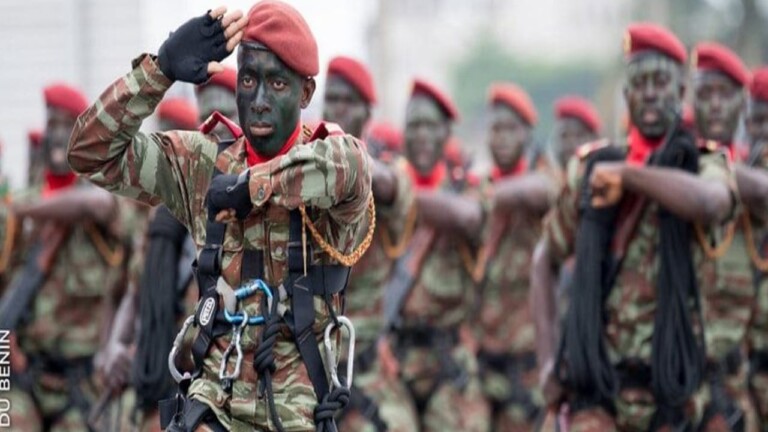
x=55 y=183
x=254 y=158
x=431 y=181
x=497 y=174
x=640 y=147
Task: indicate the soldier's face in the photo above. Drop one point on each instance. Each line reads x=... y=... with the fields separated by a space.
x=571 y=133
x=270 y=97
x=426 y=131
x=215 y=98
x=757 y=123
x=717 y=104
x=58 y=128
x=653 y=91
x=345 y=106
x=509 y=136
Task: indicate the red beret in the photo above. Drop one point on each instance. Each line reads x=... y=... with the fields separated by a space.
x=653 y=37
x=66 y=97
x=446 y=104
x=688 y=119
x=226 y=79
x=578 y=108
x=389 y=135
x=178 y=111
x=759 y=86
x=282 y=29
x=711 y=56
x=35 y=137
x=515 y=98
x=356 y=74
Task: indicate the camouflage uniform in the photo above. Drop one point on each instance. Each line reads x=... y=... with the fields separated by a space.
x=441 y=372
x=364 y=307
x=62 y=333
x=504 y=324
x=175 y=168
x=758 y=333
x=630 y=306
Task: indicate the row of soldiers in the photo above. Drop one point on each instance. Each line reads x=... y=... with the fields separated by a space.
x=453 y=289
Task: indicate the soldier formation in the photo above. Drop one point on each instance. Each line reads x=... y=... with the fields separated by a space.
x=239 y=270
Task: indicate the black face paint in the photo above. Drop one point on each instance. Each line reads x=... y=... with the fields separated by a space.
x=345 y=106
x=58 y=128
x=653 y=93
x=570 y=134
x=509 y=136
x=216 y=98
x=270 y=97
x=426 y=131
x=717 y=103
x=757 y=125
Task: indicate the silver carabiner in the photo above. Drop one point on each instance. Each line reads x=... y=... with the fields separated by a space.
x=234 y=344
x=178 y=376
x=330 y=355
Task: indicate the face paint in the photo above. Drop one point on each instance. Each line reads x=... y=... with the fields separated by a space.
x=426 y=131
x=570 y=134
x=509 y=136
x=344 y=105
x=216 y=98
x=58 y=128
x=653 y=93
x=717 y=104
x=270 y=97
x=757 y=124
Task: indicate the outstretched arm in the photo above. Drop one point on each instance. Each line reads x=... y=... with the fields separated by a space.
x=72 y=206
x=753 y=189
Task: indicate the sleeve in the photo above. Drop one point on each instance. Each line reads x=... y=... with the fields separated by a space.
x=715 y=166
x=331 y=174
x=395 y=215
x=107 y=148
x=561 y=222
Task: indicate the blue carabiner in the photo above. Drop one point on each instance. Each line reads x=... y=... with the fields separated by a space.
x=243 y=293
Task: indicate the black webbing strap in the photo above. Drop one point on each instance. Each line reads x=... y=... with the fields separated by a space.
x=321 y=280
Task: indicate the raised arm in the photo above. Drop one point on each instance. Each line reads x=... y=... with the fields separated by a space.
x=71 y=206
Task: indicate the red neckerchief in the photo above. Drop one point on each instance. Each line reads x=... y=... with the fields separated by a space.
x=497 y=174
x=431 y=181
x=254 y=158
x=55 y=183
x=640 y=147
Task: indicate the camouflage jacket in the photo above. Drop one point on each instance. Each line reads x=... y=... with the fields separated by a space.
x=504 y=321
x=758 y=335
x=330 y=176
x=366 y=283
x=630 y=307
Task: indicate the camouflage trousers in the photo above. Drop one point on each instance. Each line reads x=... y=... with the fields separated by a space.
x=759 y=384
x=509 y=383
x=452 y=402
x=51 y=403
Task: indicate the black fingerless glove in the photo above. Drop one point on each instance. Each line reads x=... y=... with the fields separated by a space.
x=185 y=55
x=230 y=191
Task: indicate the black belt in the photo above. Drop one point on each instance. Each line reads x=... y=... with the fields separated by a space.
x=426 y=336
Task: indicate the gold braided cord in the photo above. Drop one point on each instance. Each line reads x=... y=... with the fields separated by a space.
x=10 y=236
x=114 y=257
x=759 y=262
x=722 y=248
x=353 y=257
x=395 y=251
x=467 y=259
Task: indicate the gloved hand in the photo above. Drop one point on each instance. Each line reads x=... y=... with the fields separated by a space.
x=229 y=192
x=208 y=39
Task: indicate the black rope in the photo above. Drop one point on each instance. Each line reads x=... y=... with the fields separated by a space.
x=333 y=402
x=157 y=309
x=583 y=363
x=264 y=359
x=678 y=354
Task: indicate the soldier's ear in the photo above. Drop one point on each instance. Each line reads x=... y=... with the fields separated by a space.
x=307 y=90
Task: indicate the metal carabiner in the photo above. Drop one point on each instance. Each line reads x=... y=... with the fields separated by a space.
x=178 y=376
x=234 y=344
x=245 y=292
x=330 y=355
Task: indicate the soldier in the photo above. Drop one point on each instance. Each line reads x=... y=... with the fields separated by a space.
x=35 y=160
x=631 y=356
x=218 y=95
x=751 y=177
x=276 y=216
x=63 y=297
x=719 y=86
x=430 y=295
x=577 y=123
x=177 y=113
x=349 y=99
x=516 y=193
x=384 y=141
